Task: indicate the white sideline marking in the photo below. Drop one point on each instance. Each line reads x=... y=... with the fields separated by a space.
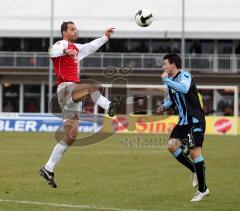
x=68 y=205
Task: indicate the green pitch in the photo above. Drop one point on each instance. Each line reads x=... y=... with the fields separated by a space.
x=114 y=175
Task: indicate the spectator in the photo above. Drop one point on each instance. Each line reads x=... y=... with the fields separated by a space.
x=175 y=48
x=195 y=48
x=228 y=111
x=237 y=50
x=8 y=107
x=142 y=48
x=32 y=107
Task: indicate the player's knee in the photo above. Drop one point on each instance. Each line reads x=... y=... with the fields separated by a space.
x=93 y=88
x=171 y=148
x=173 y=145
x=71 y=134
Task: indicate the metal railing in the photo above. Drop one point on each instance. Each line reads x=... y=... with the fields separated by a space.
x=228 y=63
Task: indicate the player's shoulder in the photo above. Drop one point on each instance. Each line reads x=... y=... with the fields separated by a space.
x=185 y=74
x=61 y=42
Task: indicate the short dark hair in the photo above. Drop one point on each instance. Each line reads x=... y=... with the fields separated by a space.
x=173 y=58
x=64 y=26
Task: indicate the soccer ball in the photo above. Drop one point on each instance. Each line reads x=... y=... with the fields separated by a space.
x=144 y=17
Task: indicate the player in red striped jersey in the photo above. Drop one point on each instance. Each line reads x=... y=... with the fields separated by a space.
x=66 y=55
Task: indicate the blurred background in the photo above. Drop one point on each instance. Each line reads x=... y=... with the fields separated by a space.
x=205 y=33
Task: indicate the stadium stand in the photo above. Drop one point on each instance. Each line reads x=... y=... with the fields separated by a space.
x=212 y=51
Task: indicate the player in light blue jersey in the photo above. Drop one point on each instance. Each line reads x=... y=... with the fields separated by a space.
x=183 y=95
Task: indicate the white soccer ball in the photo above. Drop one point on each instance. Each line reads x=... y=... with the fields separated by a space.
x=144 y=17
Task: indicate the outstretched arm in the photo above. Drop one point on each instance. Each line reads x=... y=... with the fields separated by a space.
x=91 y=47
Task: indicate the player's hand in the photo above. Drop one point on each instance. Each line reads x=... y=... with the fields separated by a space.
x=164 y=75
x=160 y=109
x=69 y=52
x=109 y=32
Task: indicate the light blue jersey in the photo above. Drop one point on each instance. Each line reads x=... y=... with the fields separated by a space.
x=183 y=94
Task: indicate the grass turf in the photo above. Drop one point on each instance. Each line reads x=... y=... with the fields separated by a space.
x=111 y=174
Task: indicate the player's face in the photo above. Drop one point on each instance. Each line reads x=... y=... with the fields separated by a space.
x=167 y=67
x=71 y=33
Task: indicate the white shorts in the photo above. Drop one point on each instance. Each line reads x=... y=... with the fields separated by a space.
x=64 y=92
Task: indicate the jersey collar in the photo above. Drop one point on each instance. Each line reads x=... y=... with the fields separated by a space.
x=177 y=74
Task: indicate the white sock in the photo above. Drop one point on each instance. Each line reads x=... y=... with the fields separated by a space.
x=56 y=155
x=100 y=100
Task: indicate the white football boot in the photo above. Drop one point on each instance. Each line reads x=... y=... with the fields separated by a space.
x=198 y=196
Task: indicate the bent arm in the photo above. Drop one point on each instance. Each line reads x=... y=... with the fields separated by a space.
x=58 y=49
x=182 y=86
x=167 y=103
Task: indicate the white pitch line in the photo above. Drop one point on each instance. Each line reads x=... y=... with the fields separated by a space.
x=67 y=205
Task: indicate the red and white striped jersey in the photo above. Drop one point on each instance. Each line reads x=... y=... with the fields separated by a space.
x=67 y=67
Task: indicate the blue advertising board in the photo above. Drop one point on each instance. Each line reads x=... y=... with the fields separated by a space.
x=42 y=123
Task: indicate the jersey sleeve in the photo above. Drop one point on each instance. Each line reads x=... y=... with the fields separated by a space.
x=167 y=102
x=183 y=85
x=57 y=49
x=91 y=47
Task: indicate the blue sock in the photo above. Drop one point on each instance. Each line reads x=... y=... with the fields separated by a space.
x=182 y=158
x=200 y=170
